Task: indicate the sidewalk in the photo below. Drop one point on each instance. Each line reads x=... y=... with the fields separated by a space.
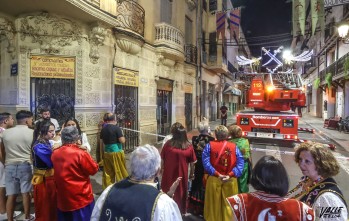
x=338 y=138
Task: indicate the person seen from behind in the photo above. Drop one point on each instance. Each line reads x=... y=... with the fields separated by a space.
x=16 y=155
x=6 y=122
x=223 y=162
x=317 y=188
x=73 y=167
x=114 y=162
x=137 y=197
x=268 y=202
x=244 y=146
x=178 y=157
x=197 y=192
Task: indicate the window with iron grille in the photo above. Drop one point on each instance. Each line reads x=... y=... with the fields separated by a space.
x=213 y=5
x=58 y=95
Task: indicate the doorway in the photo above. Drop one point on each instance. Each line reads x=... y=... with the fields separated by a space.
x=163 y=112
x=126 y=110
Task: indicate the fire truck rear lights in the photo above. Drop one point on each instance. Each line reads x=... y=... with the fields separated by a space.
x=256 y=94
x=244 y=134
x=290 y=137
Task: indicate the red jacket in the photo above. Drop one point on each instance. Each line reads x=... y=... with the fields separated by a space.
x=73 y=168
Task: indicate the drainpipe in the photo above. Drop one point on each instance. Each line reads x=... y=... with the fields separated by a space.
x=199 y=56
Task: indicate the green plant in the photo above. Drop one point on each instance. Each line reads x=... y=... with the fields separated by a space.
x=328 y=79
x=316 y=83
x=346 y=68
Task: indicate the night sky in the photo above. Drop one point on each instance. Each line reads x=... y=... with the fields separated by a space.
x=271 y=18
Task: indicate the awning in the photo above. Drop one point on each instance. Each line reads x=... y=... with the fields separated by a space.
x=230 y=89
x=236 y=91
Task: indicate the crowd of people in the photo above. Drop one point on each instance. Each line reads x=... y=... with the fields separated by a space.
x=209 y=176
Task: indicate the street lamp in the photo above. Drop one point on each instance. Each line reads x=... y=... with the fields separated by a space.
x=343 y=29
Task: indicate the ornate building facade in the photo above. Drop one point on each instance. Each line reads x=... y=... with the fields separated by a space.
x=82 y=58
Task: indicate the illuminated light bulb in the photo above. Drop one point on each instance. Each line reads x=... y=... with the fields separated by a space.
x=343 y=30
x=270 y=88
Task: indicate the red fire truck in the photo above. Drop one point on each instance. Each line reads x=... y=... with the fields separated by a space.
x=272 y=99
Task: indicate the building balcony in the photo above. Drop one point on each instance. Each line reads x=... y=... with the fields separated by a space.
x=336 y=69
x=215 y=63
x=309 y=66
x=190 y=53
x=169 y=41
x=130 y=16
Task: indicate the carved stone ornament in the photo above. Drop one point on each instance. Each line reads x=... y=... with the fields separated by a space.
x=164 y=61
x=191 y=4
x=128 y=44
x=97 y=37
x=7 y=28
x=51 y=32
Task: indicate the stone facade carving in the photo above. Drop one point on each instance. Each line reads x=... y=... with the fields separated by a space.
x=22 y=78
x=128 y=44
x=7 y=28
x=93 y=98
x=92 y=119
x=80 y=118
x=97 y=38
x=93 y=71
x=93 y=139
x=191 y=4
x=51 y=32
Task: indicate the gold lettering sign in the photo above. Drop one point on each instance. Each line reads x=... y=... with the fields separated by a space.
x=126 y=78
x=52 y=67
x=188 y=88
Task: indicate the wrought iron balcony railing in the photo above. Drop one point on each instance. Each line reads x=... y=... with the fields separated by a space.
x=336 y=68
x=130 y=15
x=190 y=53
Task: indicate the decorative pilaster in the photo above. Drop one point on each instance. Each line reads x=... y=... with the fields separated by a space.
x=97 y=38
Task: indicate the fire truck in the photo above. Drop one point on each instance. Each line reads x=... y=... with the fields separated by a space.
x=271 y=101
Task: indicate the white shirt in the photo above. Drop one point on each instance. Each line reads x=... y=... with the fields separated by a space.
x=84 y=140
x=329 y=200
x=166 y=209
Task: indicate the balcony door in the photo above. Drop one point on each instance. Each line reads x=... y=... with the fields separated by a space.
x=166 y=11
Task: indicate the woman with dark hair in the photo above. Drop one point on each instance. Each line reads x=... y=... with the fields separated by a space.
x=268 y=202
x=83 y=141
x=317 y=188
x=176 y=156
x=43 y=181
